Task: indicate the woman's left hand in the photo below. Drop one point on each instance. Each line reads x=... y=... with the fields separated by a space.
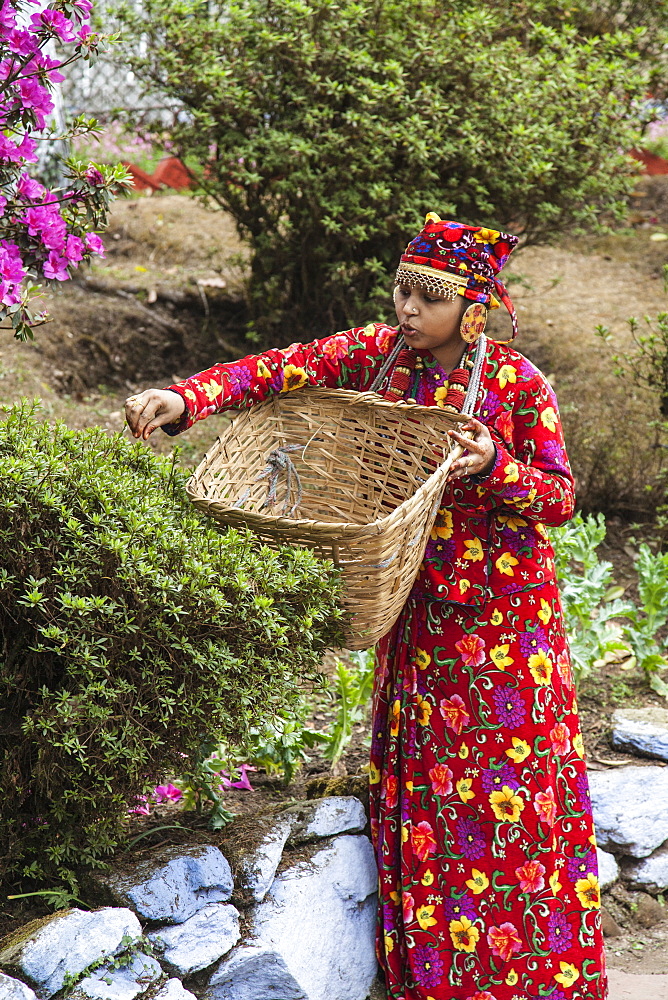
x=480 y=451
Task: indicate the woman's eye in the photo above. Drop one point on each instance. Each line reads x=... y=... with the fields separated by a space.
x=429 y=299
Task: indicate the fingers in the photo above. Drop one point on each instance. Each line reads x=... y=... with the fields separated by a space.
x=480 y=451
x=145 y=412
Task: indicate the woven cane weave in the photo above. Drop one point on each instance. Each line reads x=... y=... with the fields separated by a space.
x=371 y=474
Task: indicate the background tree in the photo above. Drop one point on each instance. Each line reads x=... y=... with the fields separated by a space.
x=328 y=129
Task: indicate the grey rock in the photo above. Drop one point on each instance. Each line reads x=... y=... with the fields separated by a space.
x=641 y=730
x=650 y=873
x=14 y=989
x=125 y=983
x=67 y=942
x=172 y=885
x=202 y=939
x=256 y=868
x=329 y=956
x=327 y=817
x=608 y=869
x=629 y=806
x=174 y=990
x=255 y=973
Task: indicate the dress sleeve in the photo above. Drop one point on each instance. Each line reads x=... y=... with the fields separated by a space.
x=531 y=474
x=347 y=360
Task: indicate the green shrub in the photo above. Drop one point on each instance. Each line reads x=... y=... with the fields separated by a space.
x=132 y=633
x=329 y=129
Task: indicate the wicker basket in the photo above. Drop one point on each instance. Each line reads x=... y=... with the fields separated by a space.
x=372 y=474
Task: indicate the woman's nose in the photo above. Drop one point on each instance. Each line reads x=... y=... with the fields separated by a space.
x=410 y=306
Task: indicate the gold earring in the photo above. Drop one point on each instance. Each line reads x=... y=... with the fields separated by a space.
x=473 y=322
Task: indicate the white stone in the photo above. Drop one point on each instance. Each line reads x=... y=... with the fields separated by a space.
x=174 y=990
x=255 y=973
x=256 y=869
x=14 y=989
x=68 y=942
x=641 y=730
x=608 y=869
x=629 y=806
x=326 y=817
x=313 y=936
x=124 y=983
x=651 y=872
x=173 y=884
x=202 y=939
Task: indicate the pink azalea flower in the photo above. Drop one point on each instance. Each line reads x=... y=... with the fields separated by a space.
x=7 y=16
x=9 y=150
x=168 y=793
x=94 y=244
x=142 y=809
x=93 y=176
x=55 y=22
x=74 y=249
x=28 y=187
x=55 y=267
x=243 y=783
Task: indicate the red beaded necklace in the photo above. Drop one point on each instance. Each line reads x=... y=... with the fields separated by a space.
x=405 y=365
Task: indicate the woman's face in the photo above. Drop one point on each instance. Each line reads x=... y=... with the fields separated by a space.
x=427 y=321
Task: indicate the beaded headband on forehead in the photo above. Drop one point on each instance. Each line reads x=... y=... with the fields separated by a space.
x=450 y=259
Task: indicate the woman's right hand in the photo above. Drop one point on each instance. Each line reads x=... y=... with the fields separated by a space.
x=152 y=408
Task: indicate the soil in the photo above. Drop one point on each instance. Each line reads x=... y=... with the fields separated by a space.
x=168 y=300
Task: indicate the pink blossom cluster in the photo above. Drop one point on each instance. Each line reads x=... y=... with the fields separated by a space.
x=172 y=793
x=44 y=234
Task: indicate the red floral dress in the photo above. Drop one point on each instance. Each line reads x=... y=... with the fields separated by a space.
x=480 y=807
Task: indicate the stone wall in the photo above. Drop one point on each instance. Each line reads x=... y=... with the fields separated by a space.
x=289 y=912
x=292 y=916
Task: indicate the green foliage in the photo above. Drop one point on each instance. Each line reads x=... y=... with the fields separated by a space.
x=132 y=632
x=650 y=617
x=599 y=624
x=354 y=685
x=329 y=129
x=592 y=603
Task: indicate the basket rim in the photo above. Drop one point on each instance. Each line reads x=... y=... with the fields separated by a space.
x=347 y=529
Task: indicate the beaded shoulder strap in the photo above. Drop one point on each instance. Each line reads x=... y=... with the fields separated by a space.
x=476 y=377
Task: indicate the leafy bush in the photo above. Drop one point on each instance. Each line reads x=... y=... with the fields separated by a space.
x=133 y=632
x=328 y=129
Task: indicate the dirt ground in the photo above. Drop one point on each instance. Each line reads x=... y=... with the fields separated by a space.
x=168 y=301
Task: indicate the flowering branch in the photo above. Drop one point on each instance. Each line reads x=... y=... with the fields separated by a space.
x=44 y=234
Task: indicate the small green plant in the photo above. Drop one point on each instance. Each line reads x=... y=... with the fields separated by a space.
x=282 y=744
x=599 y=624
x=353 y=688
x=649 y=618
x=592 y=603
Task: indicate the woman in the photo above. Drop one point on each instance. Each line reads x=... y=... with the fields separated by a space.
x=480 y=809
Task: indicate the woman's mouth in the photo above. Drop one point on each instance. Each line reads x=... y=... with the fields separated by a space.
x=409 y=331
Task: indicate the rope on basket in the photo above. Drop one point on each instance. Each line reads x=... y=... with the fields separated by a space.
x=278 y=461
